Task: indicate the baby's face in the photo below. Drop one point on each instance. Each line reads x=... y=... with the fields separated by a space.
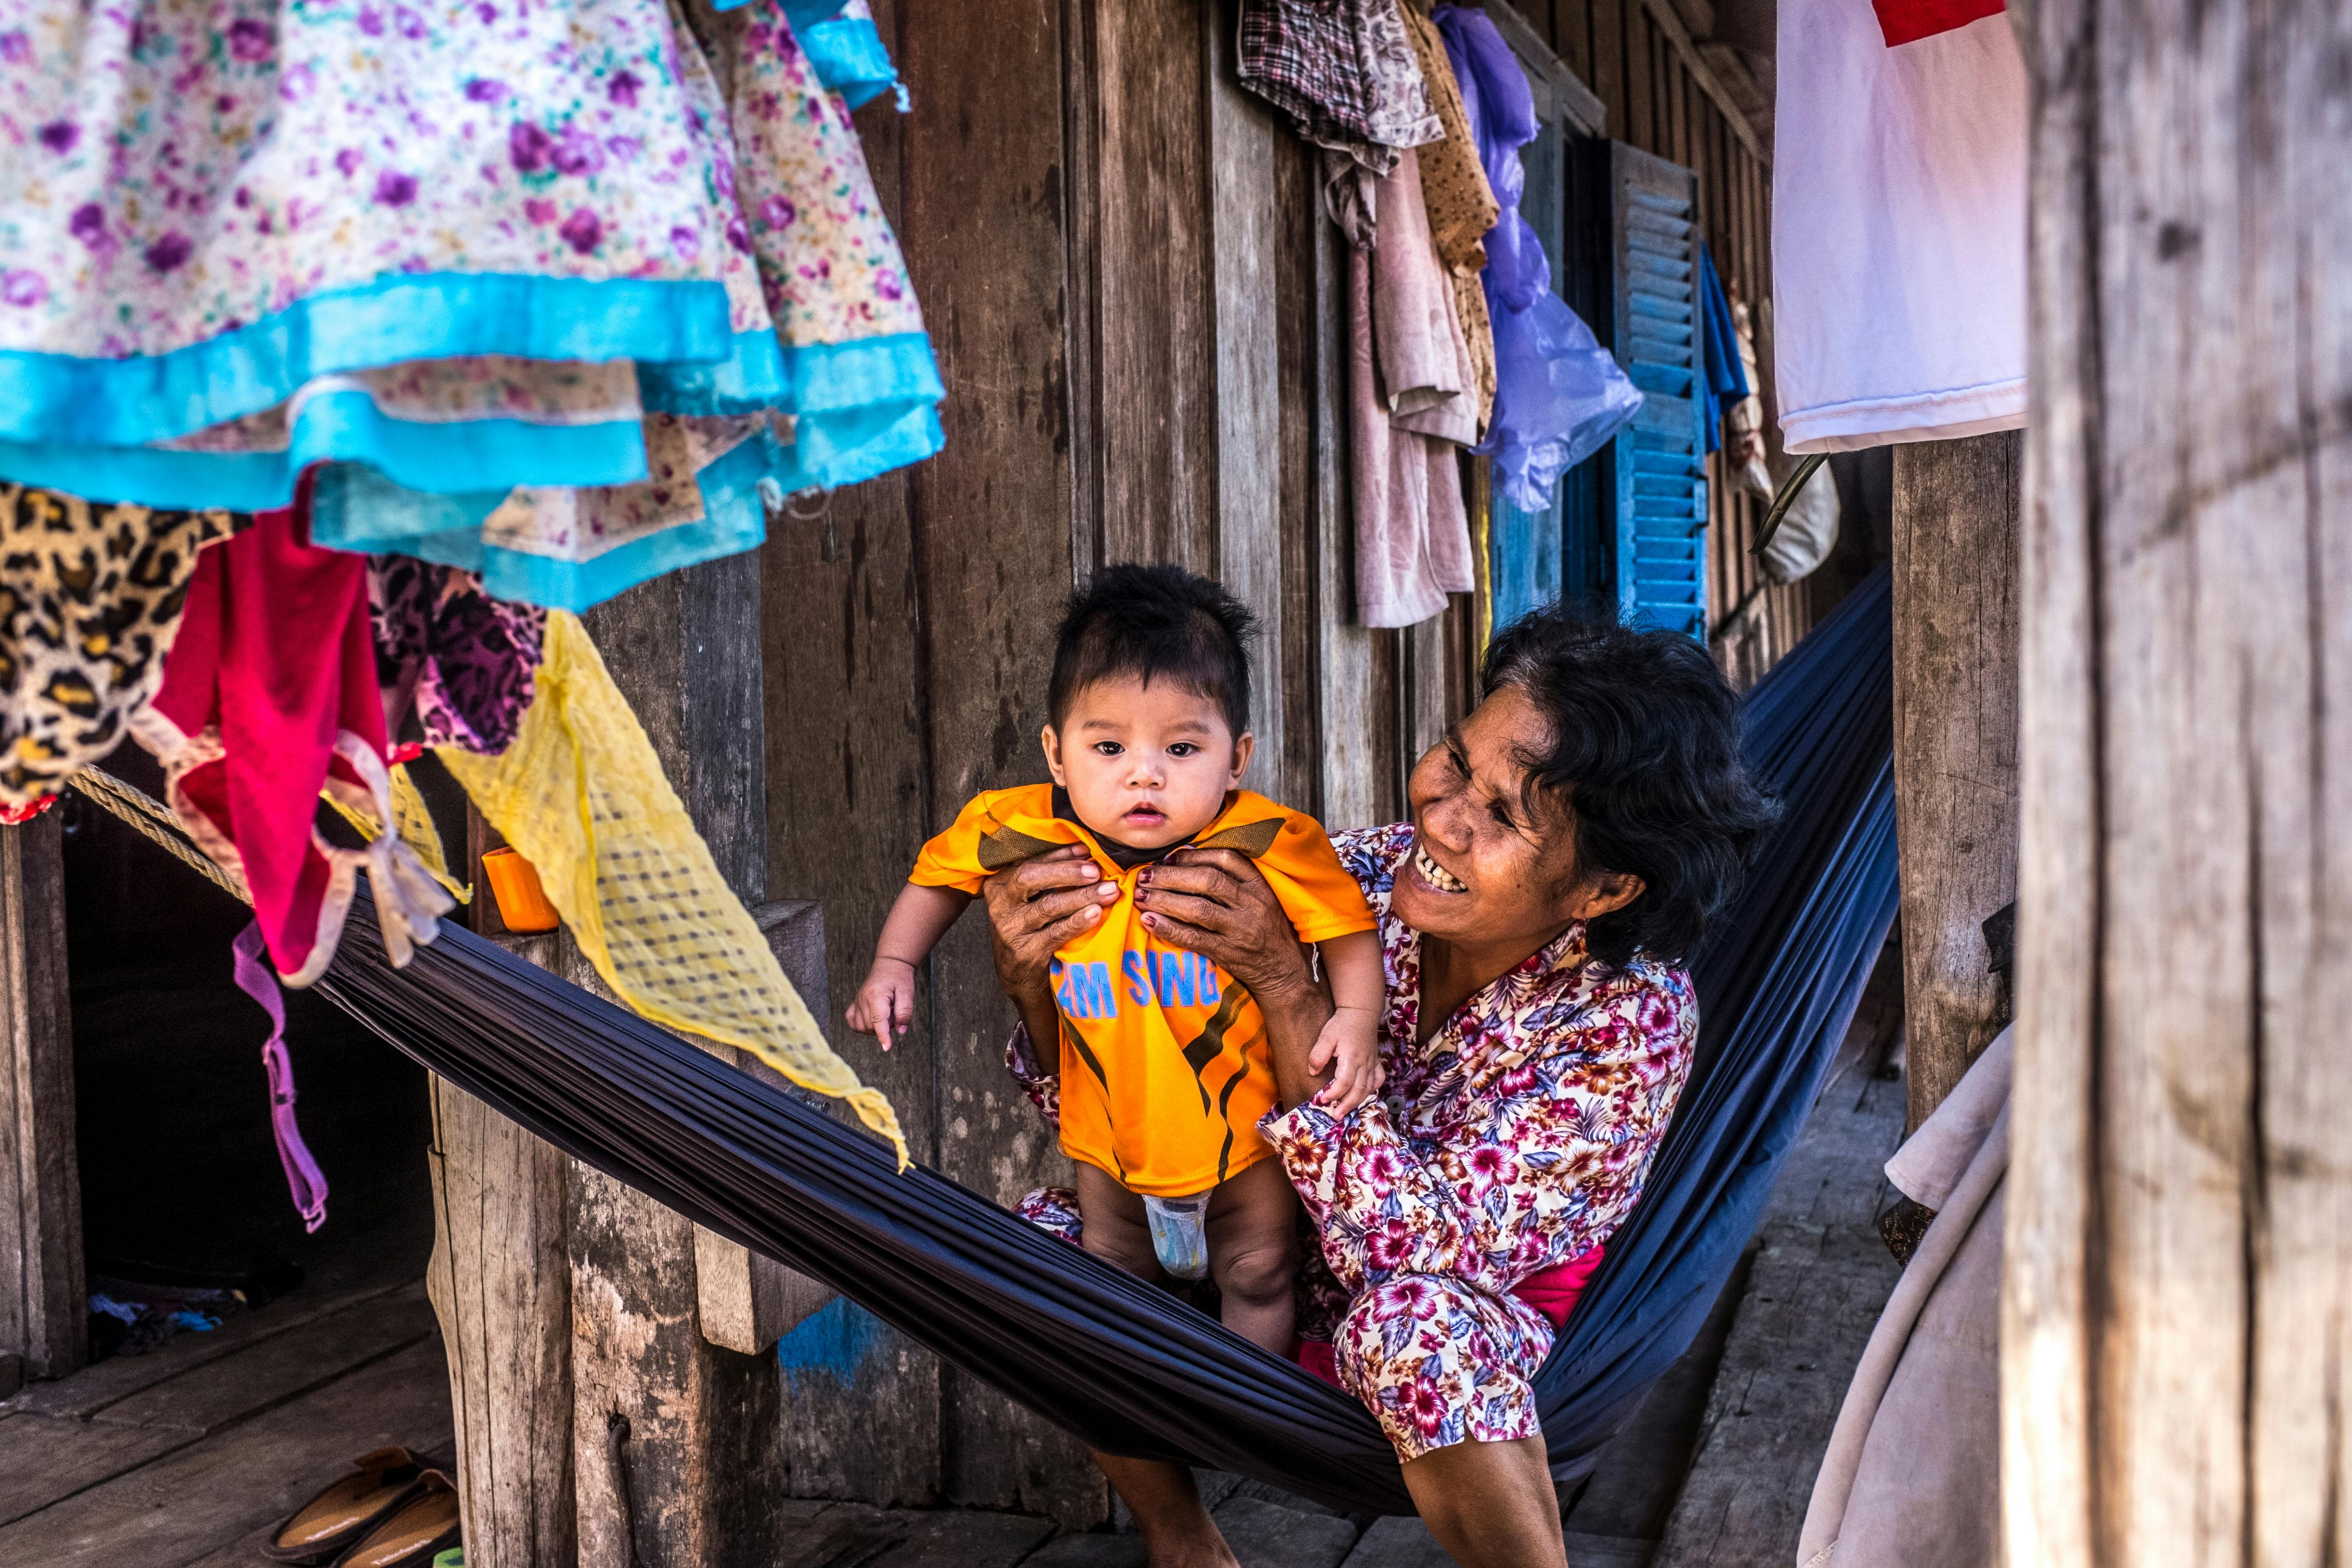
x=1146 y=766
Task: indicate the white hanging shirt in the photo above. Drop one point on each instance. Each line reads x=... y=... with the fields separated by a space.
x=1899 y=230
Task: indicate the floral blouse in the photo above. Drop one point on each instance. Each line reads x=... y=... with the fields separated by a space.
x=1517 y=1135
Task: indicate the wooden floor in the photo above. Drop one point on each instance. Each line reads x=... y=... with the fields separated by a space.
x=187 y=1455
x=1817 y=1275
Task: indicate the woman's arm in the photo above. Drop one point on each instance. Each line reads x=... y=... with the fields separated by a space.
x=1548 y=1165
x=1214 y=902
x=1033 y=909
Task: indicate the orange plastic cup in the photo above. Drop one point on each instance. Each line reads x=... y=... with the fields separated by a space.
x=522 y=902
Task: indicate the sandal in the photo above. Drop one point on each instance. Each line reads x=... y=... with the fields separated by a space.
x=380 y=1482
x=413 y=1534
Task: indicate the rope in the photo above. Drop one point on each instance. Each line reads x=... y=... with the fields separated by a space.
x=152 y=818
x=1781 y=503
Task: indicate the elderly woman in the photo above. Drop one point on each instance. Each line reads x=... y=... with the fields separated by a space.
x=1570 y=841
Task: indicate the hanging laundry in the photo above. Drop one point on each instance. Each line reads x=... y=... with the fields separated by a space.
x=1898 y=236
x=1559 y=395
x=1461 y=203
x=1411 y=403
x=463 y=659
x=569 y=549
x=261 y=197
x=865 y=388
x=1723 y=378
x=1343 y=70
x=269 y=696
x=90 y=597
x=814 y=275
x=563 y=361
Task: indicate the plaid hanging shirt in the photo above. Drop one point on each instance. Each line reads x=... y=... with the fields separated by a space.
x=1344 y=71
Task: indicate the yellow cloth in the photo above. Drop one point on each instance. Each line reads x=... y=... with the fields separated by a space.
x=1461 y=202
x=581 y=796
x=1167 y=1071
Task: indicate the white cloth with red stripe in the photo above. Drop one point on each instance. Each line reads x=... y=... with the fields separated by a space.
x=1899 y=230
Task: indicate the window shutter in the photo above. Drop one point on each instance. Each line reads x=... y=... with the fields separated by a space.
x=1653 y=485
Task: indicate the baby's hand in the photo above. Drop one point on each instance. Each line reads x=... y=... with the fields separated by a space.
x=1350 y=1040
x=885 y=1003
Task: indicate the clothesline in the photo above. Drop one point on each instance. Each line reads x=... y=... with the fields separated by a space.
x=154 y=822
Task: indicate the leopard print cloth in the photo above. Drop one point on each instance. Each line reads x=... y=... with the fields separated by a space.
x=468 y=659
x=91 y=595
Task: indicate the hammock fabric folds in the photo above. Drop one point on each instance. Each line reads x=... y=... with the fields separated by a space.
x=1119 y=1363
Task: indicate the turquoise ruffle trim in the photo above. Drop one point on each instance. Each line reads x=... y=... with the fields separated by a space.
x=849 y=58
x=61 y=399
x=846 y=51
x=861 y=409
x=444 y=459
x=833 y=451
x=355 y=508
x=749 y=379
x=802 y=13
x=839 y=378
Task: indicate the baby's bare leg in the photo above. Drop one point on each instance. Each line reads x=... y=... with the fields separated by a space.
x=1253 y=1254
x=1116 y=1229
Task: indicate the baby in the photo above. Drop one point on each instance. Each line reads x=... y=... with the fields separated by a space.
x=1164 y=1063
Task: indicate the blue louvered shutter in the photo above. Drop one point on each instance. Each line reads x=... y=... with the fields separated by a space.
x=1654 y=485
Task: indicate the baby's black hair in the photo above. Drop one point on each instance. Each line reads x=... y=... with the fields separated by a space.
x=1155 y=622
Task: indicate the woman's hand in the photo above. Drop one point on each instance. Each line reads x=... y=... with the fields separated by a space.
x=1035 y=909
x=1214 y=902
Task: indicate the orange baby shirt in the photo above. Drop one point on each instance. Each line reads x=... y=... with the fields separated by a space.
x=1165 y=1068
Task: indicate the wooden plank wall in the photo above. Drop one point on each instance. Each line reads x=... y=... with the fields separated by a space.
x=1139 y=314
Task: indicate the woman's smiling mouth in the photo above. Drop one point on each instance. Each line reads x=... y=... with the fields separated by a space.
x=1438 y=878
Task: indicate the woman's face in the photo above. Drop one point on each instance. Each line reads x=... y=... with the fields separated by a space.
x=1488 y=867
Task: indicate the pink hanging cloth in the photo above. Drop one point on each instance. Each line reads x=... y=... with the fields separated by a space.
x=269 y=696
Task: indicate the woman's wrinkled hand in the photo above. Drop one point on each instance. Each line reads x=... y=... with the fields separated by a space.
x=1039 y=907
x=1215 y=903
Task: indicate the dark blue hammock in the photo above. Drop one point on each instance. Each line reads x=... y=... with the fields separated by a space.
x=1118 y=1362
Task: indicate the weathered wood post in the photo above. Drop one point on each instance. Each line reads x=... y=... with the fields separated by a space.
x=2177 y=1325
x=674 y=1438
x=1955 y=743
x=609 y=1361
x=43 y=1320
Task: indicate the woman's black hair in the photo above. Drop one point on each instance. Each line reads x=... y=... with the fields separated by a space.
x=1155 y=622
x=1645 y=749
